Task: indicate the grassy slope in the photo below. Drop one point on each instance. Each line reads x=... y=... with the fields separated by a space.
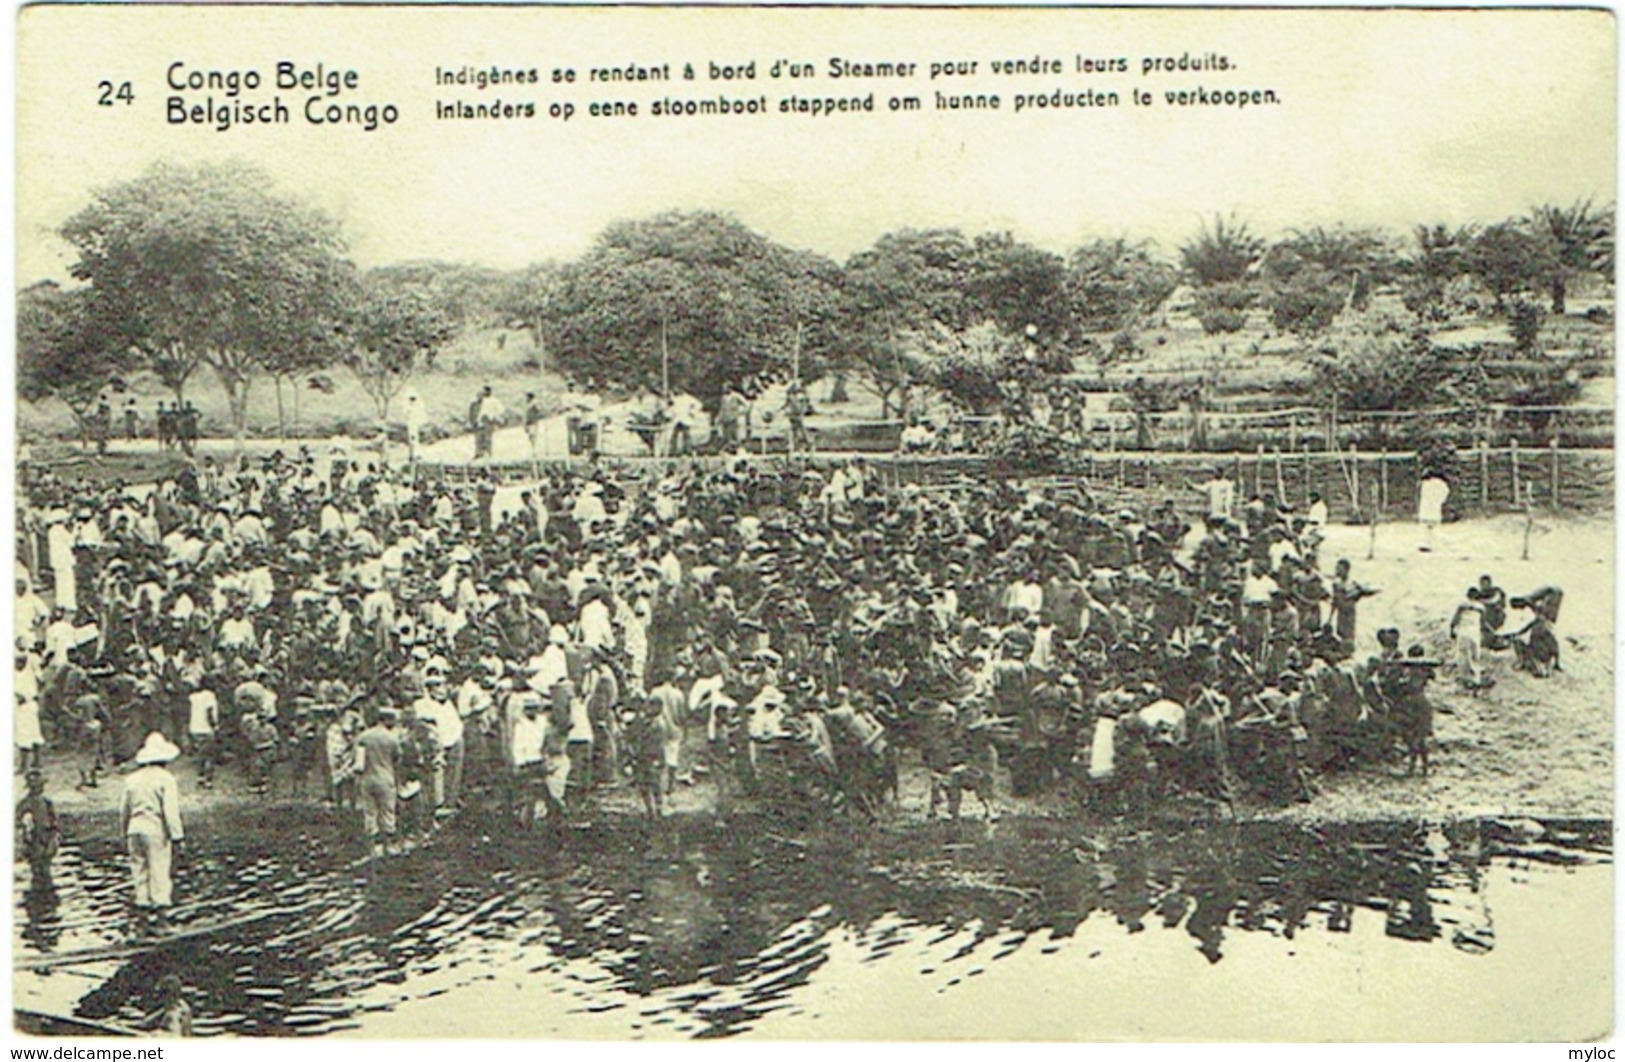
x=504 y=358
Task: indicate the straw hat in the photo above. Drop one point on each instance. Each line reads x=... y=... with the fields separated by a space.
x=156 y=749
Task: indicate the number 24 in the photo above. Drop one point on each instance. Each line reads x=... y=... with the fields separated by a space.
x=109 y=93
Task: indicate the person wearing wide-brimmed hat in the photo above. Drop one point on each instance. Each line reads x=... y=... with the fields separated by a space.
x=152 y=824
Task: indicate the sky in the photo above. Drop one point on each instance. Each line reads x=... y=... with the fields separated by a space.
x=1384 y=118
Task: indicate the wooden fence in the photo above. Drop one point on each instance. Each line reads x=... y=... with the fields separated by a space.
x=1353 y=483
x=1295 y=428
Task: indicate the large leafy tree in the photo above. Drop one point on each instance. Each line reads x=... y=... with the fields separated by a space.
x=304 y=346
x=1338 y=251
x=1573 y=236
x=1439 y=257
x=1114 y=283
x=693 y=301
x=1508 y=258
x=1385 y=374
x=1022 y=289
x=527 y=299
x=208 y=264
x=974 y=365
x=65 y=350
x=470 y=296
x=395 y=329
x=911 y=282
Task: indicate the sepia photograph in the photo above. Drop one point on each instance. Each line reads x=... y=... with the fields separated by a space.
x=856 y=523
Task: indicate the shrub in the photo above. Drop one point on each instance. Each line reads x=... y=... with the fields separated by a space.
x=1384 y=374
x=1436 y=456
x=1525 y=319
x=1424 y=297
x=1223 y=307
x=1226 y=297
x=1306 y=304
x=1217 y=320
x=1124 y=346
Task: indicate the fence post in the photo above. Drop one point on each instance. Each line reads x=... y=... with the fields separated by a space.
x=1258 y=471
x=1280 y=476
x=1554 y=471
x=1382 y=478
x=1517 y=486
x=1484 y=472
x=1354 y=485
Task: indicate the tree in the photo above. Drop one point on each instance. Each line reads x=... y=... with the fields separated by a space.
x=1313 y=273
x=1224 y=254
x=1307 y=302
x=65 y=350
x=1341 y=252
x=1572 y=235
x=910 y=282
x=1509 y=258
x=973 y=365
x=1385 y=374
x=528 y=298
x=1602 y=245
x=1441 y=251
x=1440 y=257
x=693 y=302
x=1112 y=284
x=305 y=347
x=470 y=296
x=394 y=331
x=1022 y=289
x=207 y=264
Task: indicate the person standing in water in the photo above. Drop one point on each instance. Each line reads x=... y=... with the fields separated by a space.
x=39 y=832
x=152 y=827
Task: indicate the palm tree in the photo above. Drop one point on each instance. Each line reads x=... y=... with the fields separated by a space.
x=1221 y=255
x=1573 y=234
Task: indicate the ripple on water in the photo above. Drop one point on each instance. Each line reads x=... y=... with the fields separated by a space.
x=712 y=941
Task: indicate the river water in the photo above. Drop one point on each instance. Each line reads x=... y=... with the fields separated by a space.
x=1029 y=929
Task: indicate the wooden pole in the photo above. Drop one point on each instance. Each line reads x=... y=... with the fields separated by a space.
x=1280 y=477
x=1517 y=484
x=1528 y=522
x=1382 y=475
x=1354 y=488
x=665 y=363
x=1258 y=471
x=1553 y=449
x=1483 y=472
x=1376 y=514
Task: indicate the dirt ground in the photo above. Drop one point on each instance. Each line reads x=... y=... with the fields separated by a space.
x=1526 y=747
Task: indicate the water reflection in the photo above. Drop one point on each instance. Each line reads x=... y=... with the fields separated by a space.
x=690 y=932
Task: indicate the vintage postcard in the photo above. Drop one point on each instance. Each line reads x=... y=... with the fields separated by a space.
x=864 y=523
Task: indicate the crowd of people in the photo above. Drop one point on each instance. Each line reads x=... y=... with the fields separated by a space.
x=403 y=645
